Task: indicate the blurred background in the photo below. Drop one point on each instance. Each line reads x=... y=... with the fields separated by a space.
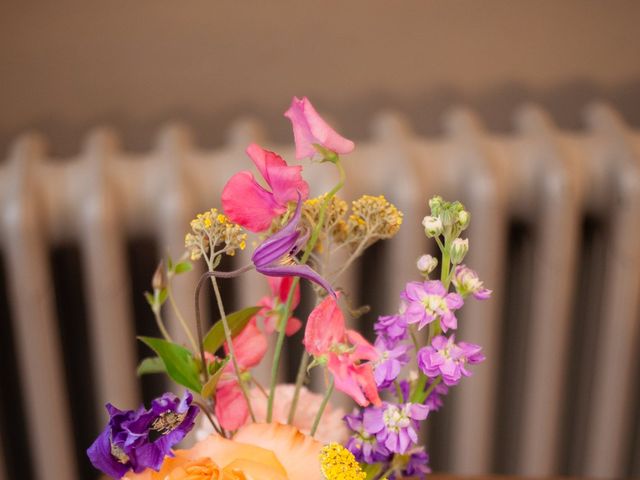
x=120 y=120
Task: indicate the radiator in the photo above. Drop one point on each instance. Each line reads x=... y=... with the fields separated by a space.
x=554 y=231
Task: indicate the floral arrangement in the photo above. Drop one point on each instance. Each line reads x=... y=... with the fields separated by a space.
x=251 y=431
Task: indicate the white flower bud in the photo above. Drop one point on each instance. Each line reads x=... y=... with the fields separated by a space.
x=432 y=226
x=427 y=264
x=463 y=219
x=459 y=249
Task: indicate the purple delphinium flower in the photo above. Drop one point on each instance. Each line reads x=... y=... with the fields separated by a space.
x=140 y=439
x=446 y=358
x=467 y=283
x=275 y=256
x=395 y=425
x=364 y=446
x=391 y=361
x=391 y=328
x=426 y=301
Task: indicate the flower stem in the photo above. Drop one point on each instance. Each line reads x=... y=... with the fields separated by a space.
x=204 y=410
x=323 y=405
x=287 y=307
x=302 y=373
x=160 y=323
x=181 y=319
x=227 y=334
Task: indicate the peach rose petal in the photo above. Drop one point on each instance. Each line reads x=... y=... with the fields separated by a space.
x=298 y=453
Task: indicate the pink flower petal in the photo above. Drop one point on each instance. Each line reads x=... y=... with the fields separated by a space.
x=231 y=407
x=285 y=181
x=325 y=327
x=309 y=128
x=248 y=204
x=250 y=346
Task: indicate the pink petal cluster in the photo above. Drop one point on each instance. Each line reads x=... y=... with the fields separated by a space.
x=424 y=302
x=310 y=129
x=349 y=355
x=252 y=206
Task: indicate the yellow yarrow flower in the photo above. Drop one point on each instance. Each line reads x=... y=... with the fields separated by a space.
x=338 y=463
x=211 y=229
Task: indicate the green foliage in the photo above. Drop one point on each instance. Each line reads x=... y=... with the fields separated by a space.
x=151 y=365
x=209 y=388
x=178 y=361
x=214 y=338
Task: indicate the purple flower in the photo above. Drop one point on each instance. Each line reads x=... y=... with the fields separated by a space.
x=135 y=440
x=417 y=465
x=364 y=446
x=395 y=425
x=446 y=358
x=427 y=301
x=275 y=257
x=391 y=328
x=467 y=283
x=391 y=361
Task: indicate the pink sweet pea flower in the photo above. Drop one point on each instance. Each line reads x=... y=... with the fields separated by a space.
x=250 y=205
x=250 y=346
x=345 y=350
x=270 y=314
x=325 y=327
x=310 y=129
x=356 y=380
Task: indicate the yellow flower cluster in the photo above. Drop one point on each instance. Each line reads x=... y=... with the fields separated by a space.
x=372 y=219
x=338 y=463
x=211 y=229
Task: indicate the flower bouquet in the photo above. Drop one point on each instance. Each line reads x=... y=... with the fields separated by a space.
x=246 y=430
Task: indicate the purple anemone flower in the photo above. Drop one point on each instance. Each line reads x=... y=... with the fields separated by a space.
x=395 y=425
x=391 y=361
x=140 y=439
x=364 y=446
x=391 y=328
x=275 y=257
x=426 y=301
x=446 y=358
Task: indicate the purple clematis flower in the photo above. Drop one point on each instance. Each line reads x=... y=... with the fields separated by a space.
x=446 y=358
x=395 y=425
x=275 y=256
x=364 y=446
x=140 y=439
x=391 y=361
x=391 y=328
x=426 y=301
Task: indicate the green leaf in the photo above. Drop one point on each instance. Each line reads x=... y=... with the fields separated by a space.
x=182 y=267
x=150 y=298
x=214 y=338
x=179 y=362
x=162 y=296
x=151 y=365
x=209 y=388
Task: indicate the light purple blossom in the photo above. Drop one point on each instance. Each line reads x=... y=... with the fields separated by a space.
x=391 y=361
x=395 y=425
x=467 y=283
x=391 y=328
x=445 y=357
x=364 y=446
x=140 y=439
x=427 y=301
x=417 y=465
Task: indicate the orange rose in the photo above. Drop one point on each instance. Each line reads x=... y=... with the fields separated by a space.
x=257 y=452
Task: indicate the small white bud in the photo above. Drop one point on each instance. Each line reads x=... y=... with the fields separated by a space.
x=463 y=219
x=459 y=249
x=432 y=226
x=427 y=264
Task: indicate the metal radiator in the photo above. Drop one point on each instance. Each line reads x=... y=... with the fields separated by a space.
x=555 y=232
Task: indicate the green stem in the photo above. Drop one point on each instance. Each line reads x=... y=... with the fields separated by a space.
x=160 y=323
x=323 y=405
x=302 y=373
x=287 y=307
x=181 y=319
